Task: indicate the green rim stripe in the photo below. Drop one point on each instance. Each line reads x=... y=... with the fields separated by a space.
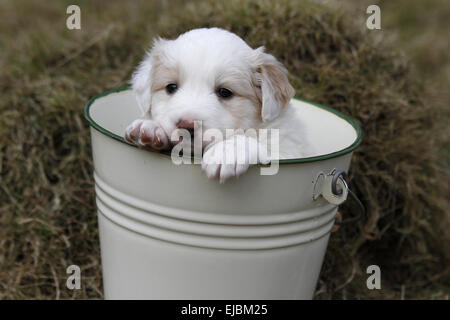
x=349 y=149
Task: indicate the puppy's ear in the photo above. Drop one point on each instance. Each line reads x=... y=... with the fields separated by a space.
x=271 y=77
x=141 y=80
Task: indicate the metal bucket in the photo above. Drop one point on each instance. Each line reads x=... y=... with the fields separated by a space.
x=168 y=232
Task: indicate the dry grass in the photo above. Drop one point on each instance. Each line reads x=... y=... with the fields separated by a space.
x=47 y=211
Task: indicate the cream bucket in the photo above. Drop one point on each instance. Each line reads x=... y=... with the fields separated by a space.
x=168 y=232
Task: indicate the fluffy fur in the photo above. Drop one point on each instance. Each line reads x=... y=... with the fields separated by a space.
x=199 y=62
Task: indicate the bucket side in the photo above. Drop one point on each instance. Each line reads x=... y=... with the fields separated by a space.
x=139 y=267
x=152 y=178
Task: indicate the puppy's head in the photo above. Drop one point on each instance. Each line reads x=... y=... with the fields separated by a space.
x=212 y=76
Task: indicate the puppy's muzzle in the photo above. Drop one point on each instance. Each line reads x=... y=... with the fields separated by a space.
x=188 y=125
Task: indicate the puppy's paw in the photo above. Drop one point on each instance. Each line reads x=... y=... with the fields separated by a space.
x=232 y=157
x=147 y=134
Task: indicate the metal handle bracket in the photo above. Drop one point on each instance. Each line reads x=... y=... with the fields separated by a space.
x=333 y=187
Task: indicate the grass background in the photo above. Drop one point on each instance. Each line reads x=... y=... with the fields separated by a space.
x=395 y=82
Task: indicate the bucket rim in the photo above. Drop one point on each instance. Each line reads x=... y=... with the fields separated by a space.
x=348 y=119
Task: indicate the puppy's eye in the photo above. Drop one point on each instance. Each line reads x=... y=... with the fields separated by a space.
x=171 y=88
x=224 y=93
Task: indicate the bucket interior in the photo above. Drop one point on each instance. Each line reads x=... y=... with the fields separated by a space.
x=331 y=132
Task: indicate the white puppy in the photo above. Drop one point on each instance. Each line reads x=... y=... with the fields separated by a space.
x=213 y=76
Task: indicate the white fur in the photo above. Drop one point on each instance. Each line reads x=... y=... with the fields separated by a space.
x=200 y=61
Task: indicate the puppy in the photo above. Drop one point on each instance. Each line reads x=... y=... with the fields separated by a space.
x=212 y=77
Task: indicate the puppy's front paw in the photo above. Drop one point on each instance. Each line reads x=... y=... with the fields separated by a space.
x=147 y=134
x=232 y=157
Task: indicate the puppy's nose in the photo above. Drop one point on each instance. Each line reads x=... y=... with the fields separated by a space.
x=186 y=124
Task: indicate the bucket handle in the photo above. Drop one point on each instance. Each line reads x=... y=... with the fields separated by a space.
x=334 y=188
